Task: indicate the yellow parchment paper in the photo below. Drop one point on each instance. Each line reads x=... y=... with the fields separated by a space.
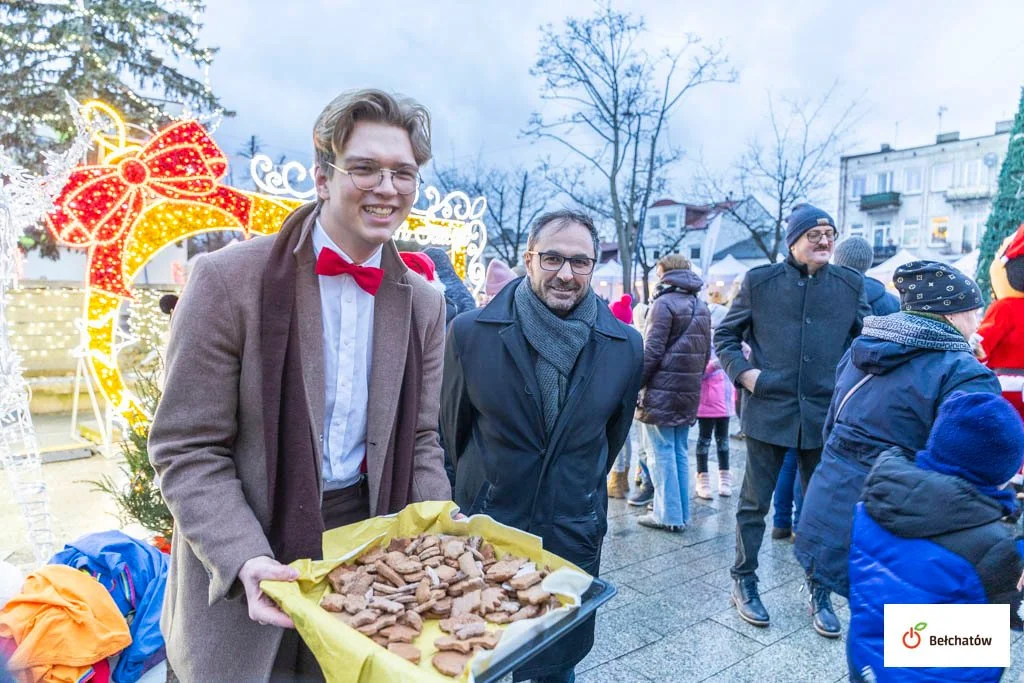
x=347 y=656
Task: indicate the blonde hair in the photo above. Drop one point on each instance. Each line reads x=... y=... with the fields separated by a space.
x=336 y=121
x=673 y=262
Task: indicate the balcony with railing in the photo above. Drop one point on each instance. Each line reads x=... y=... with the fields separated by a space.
x=882 y=253
x=880 y=201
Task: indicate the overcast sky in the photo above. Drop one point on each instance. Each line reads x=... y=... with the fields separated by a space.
x=281 y=62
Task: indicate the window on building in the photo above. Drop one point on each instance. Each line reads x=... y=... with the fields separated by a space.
x=971 y=174
x=939 y=235
x=880 y=233
x=856 y=230
x=973 y=229
x=694 y=253
x=654 y=223
x=670 y=222
x=860 y=186
x=912 y=180
x=942 y=177
x=883 y=181
x=911 y=233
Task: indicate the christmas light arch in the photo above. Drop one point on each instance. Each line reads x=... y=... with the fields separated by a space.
x=144 y=196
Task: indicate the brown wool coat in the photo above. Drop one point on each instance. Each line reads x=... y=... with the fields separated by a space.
x=206 y=441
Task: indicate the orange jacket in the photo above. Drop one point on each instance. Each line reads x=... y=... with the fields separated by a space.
x=63 y=622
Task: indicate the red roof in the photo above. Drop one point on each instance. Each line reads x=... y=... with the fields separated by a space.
x=665 y=202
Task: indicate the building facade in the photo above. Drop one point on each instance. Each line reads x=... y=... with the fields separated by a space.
x=933 y=201
x=699 y=231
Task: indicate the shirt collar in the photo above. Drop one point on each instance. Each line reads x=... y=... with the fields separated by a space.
x=321 y=239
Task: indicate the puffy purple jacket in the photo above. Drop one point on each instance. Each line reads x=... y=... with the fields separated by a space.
x=677 y=345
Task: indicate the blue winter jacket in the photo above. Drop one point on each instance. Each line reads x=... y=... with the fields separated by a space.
x=882 y=301
x=135 y=573
x=896 y=407
x=911 y=519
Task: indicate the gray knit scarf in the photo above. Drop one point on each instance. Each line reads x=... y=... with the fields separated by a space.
x=916 y=331
x=557 y=341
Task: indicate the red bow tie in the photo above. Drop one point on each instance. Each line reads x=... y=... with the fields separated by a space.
x=331 y=263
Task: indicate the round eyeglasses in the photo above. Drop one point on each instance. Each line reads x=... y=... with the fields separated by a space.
x=367 y=177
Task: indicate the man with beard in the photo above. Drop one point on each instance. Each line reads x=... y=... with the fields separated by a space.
x=537 y=399
x=798 y=318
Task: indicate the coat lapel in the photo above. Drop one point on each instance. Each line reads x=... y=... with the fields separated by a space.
x=311 y=340
x=392 y=311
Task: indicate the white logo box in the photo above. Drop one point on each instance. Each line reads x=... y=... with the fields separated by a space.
x=947 y=635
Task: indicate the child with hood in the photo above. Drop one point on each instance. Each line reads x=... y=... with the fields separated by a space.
x=929 y=530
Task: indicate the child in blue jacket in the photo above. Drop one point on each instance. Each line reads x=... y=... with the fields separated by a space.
x=930 y=529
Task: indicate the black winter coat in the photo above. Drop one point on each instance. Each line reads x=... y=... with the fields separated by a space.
x=677 y=345
x=798 y=327
x=507 y=466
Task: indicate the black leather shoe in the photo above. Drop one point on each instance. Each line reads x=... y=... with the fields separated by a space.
x=826 y=622
x=748 y=601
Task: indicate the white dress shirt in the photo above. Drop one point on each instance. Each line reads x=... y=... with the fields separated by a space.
x=347 y=316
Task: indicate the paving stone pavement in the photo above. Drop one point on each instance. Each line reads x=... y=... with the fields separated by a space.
x=671 y=619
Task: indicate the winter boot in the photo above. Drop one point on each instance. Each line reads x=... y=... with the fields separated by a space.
x=747 y=600
x=724 y=483
x=824 y=618
x=704 y=485
x=618 y=485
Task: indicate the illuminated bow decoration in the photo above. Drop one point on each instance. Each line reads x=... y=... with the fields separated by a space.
x=100 y=203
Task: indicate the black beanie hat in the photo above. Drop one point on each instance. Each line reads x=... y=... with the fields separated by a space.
x=933 y=287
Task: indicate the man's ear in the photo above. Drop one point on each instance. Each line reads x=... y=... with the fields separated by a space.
x=320 y=180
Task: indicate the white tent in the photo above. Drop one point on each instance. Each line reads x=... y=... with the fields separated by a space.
x=967 y=264
x=884 y=270
x=607 y=280
x=728 y=268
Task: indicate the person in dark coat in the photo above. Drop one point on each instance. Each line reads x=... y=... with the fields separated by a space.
x=855 y=252
x=798 y=318
x=677 y=345
x=538 y=397
x=888 y=390
x=932 y=532
x=457 y=297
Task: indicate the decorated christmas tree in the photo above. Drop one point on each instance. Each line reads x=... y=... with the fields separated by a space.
x=1008 y=208
x=138 y=498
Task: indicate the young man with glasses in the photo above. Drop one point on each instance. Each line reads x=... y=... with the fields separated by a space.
x=798 y=318
x=303 y=376
x=538 y=397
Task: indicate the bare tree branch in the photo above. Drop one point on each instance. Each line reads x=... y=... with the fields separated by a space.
x=612 y=115
x=806 y=141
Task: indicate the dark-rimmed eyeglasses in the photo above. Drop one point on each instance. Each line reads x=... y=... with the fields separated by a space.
x=553 y=262
x=368 y=177
x=816 y=236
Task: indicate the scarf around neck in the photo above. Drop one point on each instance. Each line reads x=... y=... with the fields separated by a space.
x=915 y=331
x=557 y=341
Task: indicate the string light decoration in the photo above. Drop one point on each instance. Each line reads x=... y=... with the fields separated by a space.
x=24 y=198
x=145 y=195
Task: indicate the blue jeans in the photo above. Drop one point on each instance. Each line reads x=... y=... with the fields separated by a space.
x=641 y=448
x=670 y=473
x=625 y=456
x=789 y=494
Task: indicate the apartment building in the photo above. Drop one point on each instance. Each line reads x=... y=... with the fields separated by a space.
x=933 y=200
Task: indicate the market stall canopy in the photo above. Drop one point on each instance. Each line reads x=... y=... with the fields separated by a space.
x=968 y=264
x=884 y=270
x=728 y=268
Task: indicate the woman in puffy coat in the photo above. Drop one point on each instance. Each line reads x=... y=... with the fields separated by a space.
x=677 y=345
x=889 y=386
